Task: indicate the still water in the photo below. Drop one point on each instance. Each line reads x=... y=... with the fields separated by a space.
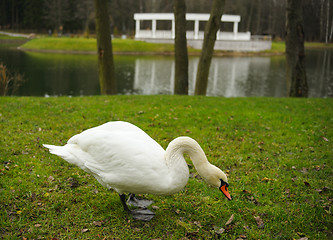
x=74 y=74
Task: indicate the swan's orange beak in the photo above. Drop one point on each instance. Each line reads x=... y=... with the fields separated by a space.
x=224 y=190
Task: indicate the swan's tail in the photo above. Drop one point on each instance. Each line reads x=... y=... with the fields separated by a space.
x=56 y=150
x=69 y=152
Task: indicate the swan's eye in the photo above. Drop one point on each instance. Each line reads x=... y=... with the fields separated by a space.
x=224 y=183
x=224 y=189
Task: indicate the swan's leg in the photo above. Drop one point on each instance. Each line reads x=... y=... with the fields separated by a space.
x=141 y=203
x=123 y=202
x=142 y=213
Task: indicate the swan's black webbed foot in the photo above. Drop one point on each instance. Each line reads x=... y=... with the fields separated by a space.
x=141 y=213
x=136 y=202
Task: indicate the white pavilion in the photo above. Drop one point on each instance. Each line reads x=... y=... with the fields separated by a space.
x=234 y=41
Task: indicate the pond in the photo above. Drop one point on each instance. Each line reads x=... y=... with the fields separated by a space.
x=76 y=74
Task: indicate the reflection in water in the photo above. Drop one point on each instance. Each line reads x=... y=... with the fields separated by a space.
x=320 y=79
x=68 y=74
x=229 y=77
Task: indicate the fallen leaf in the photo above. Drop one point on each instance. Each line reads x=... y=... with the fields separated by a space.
x=307 y=184
x=317 y=168
x=230 y=220
x=300 y=234
x=73 y=183
x=325 y=139
x=265 y=179
x=85 y=230
x=326 y=189
x=260 y=222
x=304 y=170
x=242 y=236
x=218 y=230
x=197 y=223
x=98 y=223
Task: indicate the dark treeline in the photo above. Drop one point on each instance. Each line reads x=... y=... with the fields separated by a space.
x=260 y=17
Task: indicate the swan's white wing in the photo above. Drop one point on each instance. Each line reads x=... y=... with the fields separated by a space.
x=119 y=127
x=120 y=156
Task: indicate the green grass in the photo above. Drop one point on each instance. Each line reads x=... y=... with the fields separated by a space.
x=277 y=152
x=6 y=37
x=83 y=44
x=132 y=46
x=317 y=45
x=120 y=45
x=278 y=47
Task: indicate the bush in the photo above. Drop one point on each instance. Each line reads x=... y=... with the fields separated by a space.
x=9 y=82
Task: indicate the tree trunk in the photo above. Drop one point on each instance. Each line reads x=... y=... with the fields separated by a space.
x=106 y=71
x=327 y=20
x=211 y=28
x=181 y=57
x=258 y=29
x=296 y=75
x=249 y=19
x=321 y=19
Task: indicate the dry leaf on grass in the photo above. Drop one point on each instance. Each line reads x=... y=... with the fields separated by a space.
x=218 y=230
x=231 y=219
x=260 y=222
x=98 y=223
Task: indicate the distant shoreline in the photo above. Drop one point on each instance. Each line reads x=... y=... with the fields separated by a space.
x=133 y=53
x=132 y=47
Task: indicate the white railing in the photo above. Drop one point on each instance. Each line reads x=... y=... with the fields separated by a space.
x=168 y=34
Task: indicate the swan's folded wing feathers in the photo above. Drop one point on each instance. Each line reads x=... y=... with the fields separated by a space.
x=127 y=160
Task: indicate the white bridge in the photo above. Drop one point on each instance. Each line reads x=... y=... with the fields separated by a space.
x=234 y=41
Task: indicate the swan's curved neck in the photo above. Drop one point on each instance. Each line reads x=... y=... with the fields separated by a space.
x=186 y=145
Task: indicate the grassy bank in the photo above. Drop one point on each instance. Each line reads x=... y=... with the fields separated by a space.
x=123 y=46
x=6 y=37
x=277 y=152
x=89 y=45
x=85 y=45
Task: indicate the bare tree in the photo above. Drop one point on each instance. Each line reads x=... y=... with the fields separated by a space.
x=56 y=13
x=211 y=28
x=85 y=13
x=106 y=71
x=181 y=56
x=296 y=75
x=327 y=21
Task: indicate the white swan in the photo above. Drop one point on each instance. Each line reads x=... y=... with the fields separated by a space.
x=123 y=157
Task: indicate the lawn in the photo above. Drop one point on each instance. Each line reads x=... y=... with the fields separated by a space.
x=276 y=152
x=89 y=45
x=126 y=46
